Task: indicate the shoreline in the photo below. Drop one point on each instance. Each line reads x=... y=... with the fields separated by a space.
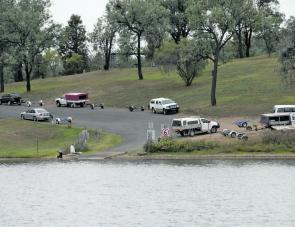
x=143 y=158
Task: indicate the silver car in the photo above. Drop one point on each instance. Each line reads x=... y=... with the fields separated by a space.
x=36 y=114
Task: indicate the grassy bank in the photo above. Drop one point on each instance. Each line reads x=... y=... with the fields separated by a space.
x=246 y=87
x=19 y=139
x=270 y=143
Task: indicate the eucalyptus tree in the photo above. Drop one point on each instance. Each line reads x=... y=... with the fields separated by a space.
x=270 y=26
x=178 y=21
x=138 y=16
x=73 y=40
x=103 y=36
x=6 y=35
x=126 y=43
x=287 y=53
x=256 y=16
x=33 y=32
x=213 y=20
x=188 y=57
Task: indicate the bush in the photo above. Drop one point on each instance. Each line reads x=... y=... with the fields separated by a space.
x=279 y=137
x=173 y=146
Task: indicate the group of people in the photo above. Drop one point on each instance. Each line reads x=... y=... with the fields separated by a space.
x=29 y=103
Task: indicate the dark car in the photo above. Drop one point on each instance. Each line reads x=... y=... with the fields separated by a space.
x=11 y=99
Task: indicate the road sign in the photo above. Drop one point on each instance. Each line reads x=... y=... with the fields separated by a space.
x=165 y=132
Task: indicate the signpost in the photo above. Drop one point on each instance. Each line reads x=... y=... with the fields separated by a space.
x=165 y=131
x=151 y=133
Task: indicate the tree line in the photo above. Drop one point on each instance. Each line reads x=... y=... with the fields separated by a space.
x=181 y=35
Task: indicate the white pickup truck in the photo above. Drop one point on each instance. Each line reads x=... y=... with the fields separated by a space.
x=191 y=126
x=72 y=100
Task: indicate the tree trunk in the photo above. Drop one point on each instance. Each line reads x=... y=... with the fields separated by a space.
x=28 y=78
x=214 y=80
x=248 y=38
x=18 y=73
x=240 y=47
x=108 y=55
x=140 y=76
x=1 y=77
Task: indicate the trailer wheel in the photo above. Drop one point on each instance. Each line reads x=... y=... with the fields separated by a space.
x=233 y=135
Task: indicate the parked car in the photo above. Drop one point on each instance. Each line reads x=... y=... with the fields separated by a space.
x=10 y=99
x=36 y=114
x=163 y=105
x=284 y=109
x=72 y=100
x=191 y=126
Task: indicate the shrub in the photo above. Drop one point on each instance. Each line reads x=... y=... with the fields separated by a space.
x=279 y=137
x=173 y=146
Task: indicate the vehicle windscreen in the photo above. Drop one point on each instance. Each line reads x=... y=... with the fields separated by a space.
x=41 y=111
x=165 y=102
x=176 y=123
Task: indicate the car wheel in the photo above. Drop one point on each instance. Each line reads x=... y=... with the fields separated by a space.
x=213 y=130
x=244 y=125
x=191 y=133
x=9 y=103
x=58 y=104
x=154 y=111
x=34 y=119
x=182 y=134
x=164 y=111
x=22 y=117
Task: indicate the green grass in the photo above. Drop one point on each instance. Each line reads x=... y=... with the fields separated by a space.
x=245 y=87
x=19 y=139
x=180 y=147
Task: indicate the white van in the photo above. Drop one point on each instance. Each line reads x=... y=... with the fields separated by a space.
x=284 y=109
x=278 y=121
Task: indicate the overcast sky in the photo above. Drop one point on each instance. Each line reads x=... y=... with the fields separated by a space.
x=90 y=10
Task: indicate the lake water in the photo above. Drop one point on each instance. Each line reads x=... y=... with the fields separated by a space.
x=170 y=193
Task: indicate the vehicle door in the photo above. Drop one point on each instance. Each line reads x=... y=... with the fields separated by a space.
x=27 y=114
x=32 y=113
x=158 y=105
x=205 y=125
x=5 y=98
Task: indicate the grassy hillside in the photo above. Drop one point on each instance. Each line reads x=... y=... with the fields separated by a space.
x=245 y=87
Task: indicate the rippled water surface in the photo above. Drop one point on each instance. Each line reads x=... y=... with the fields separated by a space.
x=201 y=193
